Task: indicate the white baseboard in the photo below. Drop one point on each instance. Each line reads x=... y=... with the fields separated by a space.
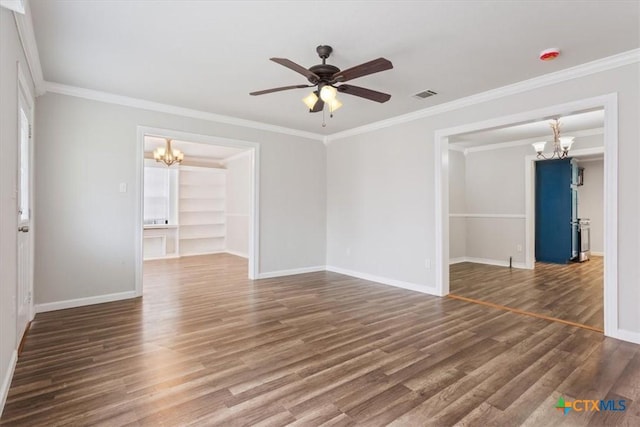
x=236 y=253
x=487 y=261
x=79 y=302
x=626 y=335
x=457 y=260
x=280 y=273
x=597 y=253
x=6 y=380
x=385 y=280
x=201 y=253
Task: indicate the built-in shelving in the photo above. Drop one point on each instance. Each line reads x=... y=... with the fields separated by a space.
x=202 y=203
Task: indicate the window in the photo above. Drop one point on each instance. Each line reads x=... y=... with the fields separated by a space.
x=159 y=197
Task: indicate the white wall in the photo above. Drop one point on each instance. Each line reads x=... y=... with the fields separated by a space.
x=457 y=205
x=88 y=148
x=238 y=204
x=10 y=54
x=381 y=195
x=591 y=201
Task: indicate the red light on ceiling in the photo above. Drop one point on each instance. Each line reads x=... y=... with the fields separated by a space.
x=549 y=54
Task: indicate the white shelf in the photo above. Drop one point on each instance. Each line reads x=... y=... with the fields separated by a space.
x=202 y=208
x=202 y=236
x=202 y=211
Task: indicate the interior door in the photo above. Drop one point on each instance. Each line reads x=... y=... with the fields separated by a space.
x=25 y=240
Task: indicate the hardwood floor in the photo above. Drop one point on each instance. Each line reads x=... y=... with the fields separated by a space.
x=572 y=292
x=206 y=346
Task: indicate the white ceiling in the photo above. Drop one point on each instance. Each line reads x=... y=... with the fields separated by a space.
x=192 y=150
x=524 y=131
x=208 y=55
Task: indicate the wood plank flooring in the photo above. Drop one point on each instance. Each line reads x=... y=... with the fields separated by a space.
x=206 y=346
x=572 y=292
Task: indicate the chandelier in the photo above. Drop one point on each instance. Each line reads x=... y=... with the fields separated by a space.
x=561 y=144
x=168 y=155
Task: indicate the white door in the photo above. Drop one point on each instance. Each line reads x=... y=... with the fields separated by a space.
x=25 y=241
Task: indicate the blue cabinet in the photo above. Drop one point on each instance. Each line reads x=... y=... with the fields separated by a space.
x=556 y=211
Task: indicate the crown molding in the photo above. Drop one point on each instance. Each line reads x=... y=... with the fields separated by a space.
x=143 y=104
x=520 y=142
x=27 y=37
x=236 y=156
x=14 y=5
x=593 y=67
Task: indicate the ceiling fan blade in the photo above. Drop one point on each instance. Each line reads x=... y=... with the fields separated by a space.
x=311 y=76
x=371 y=67
x=278 y=89
x=364 y=93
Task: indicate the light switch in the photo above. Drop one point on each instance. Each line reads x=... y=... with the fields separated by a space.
x=123 y=187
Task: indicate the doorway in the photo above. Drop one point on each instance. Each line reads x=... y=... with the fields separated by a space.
x=446 y=218
x=203 y=210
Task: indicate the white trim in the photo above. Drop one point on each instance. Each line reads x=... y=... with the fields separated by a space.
x=625 y=335
x=162 y=257
x=236 y=253
x=27 y=37
x=172 y=109
x=487 y=261
x=597 y=66
x=594 y=253
x=458 y=148
x=384 y=280
x=235 y=157
x=221 y=251
x=489 y=215
x=14 y=5
x=81 y=302
x=441 y=169
x=194 y=168
x=254 y=225
x=521 y=142
x=6 y=380
x=293 y=271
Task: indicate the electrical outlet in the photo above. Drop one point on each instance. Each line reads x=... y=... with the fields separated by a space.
x=427 y=264
x=519 y=248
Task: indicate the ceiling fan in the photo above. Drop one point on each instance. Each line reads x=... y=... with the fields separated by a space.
x=325 y=77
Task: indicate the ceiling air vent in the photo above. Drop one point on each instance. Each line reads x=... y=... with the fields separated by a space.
x=424 y=94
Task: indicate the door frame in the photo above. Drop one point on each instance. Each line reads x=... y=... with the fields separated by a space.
x=254 y=210
x=609 y=103
x=26 y=101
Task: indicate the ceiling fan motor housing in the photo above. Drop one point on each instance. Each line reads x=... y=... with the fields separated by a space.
x=324 y=71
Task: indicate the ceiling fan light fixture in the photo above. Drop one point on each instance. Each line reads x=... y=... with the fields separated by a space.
x=334 y=104
x=310 y=100
x=328 y=93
